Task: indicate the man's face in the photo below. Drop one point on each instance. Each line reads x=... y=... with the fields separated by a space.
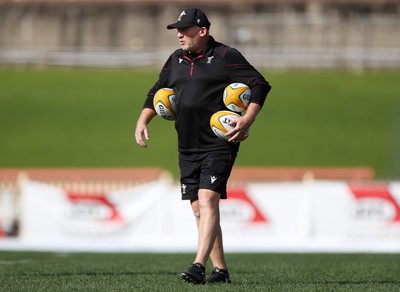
x=190 y=39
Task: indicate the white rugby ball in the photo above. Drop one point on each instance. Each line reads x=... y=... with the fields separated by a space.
x=237 y=97
x=219 y=123
x=165 y=103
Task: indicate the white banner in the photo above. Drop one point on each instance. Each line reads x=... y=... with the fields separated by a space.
x=315 y=216
x=291 y=216
x=141 y=217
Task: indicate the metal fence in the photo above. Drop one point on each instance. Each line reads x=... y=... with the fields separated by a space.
x=267 y=57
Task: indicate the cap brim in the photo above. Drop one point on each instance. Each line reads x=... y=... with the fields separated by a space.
x=178 y=25
x=171 y=26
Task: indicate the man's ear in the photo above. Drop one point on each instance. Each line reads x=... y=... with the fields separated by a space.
x=203 y=31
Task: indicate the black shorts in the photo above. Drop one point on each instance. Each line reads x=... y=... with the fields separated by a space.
x=205 y=171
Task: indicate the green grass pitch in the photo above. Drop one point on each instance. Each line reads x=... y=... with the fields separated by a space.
x=38 y=271
x=64 y=117
x=86 y=118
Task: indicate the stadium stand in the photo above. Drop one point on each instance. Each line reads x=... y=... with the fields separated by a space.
x=290 y=33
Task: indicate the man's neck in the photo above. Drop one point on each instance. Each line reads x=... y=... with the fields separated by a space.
x=202 y=48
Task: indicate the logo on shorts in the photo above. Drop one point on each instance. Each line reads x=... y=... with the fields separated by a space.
x=183 y=189
x=213 y=179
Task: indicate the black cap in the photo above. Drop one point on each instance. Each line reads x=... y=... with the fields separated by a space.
x=191 y=17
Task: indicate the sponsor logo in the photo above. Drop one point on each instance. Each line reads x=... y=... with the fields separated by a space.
x=213 y=179
x=161 y=108
x=240 y=208
x=375 y=203
x=246 y=96
x=209 y=59
x=226 y=120
x=93 y=208
x=180 y=60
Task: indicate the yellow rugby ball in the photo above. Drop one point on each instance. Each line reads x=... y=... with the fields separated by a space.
x=237 y=97
x=165 y=103
x=219 y=123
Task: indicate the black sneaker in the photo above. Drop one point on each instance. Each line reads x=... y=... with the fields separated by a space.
x=195 y=274
x=218 y=276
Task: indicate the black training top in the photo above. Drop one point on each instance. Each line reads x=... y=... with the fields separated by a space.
x=199 y=82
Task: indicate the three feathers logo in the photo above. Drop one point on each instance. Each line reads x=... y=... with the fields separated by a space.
x=180 y=15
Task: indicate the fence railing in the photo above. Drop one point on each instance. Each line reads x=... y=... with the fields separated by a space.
x=266 y=57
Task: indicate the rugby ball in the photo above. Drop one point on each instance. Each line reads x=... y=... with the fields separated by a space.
x=219 y=123
x=165 y=103
x=237 y=97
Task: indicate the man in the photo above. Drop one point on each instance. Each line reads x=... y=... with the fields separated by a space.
x=198 y=73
